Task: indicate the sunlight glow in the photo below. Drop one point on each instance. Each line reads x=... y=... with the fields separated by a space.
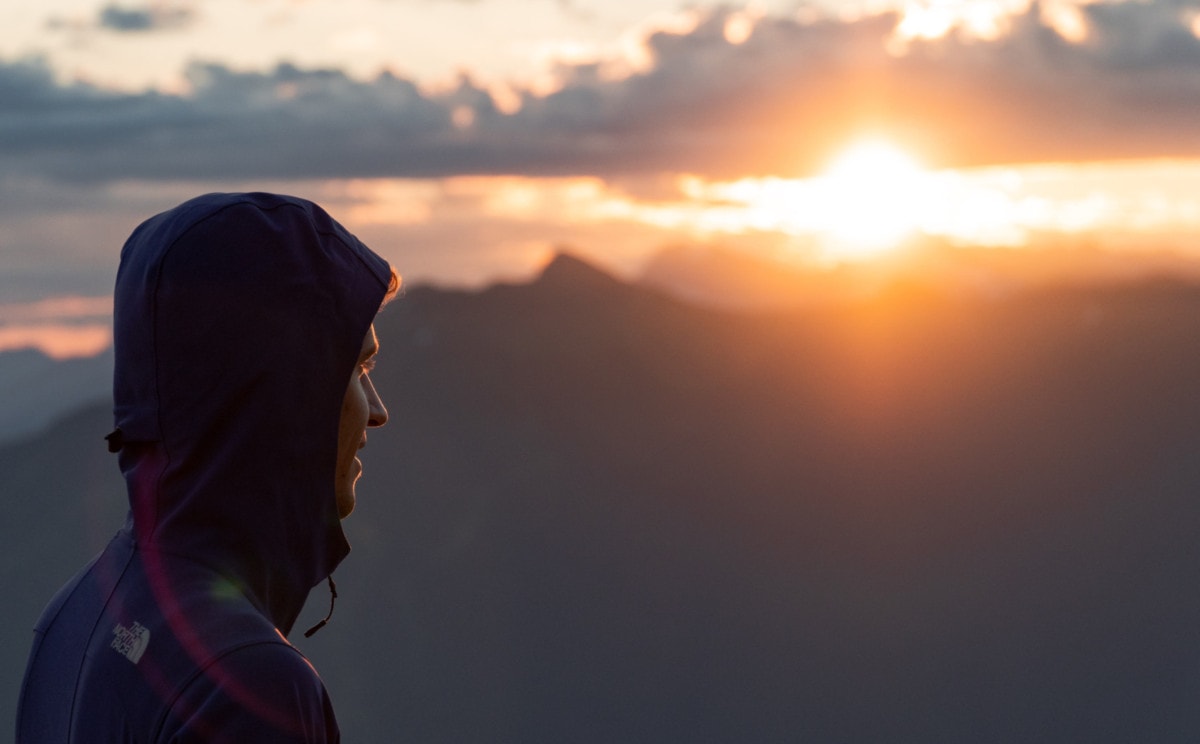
x=739 y=25
x=873 y=203
x=387 y=201
x=1067 y=19
x=872 y=197
x=857 y=212
x=920 y=22
x=924 y=20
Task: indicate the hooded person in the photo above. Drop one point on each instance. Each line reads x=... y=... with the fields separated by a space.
x=243 y=336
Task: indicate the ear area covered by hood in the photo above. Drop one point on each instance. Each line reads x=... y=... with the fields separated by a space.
x=238 y=322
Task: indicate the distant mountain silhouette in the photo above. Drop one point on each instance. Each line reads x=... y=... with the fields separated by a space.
x=726 y=277
x=600 y=514
x=35 y=389
x=570 y=272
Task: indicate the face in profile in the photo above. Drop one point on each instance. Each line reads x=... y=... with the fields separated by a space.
x=361 y=409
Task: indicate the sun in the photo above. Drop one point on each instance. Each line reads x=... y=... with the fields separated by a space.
x=872 y=196
x=873 y=158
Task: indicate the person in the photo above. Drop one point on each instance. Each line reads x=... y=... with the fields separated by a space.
x=244 y=336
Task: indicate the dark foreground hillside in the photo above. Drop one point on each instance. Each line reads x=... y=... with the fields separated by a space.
x=602 y=516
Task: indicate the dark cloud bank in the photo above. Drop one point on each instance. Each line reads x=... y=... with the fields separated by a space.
x=781 y=100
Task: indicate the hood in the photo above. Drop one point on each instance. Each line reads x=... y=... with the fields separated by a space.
x=238 y=320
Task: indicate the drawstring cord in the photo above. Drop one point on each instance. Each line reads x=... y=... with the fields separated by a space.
x=332 y=598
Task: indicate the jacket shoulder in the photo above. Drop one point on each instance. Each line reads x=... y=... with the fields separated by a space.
x=264 y=691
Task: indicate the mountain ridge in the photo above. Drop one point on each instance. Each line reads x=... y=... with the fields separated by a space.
x=38 y=389
x=605 y=515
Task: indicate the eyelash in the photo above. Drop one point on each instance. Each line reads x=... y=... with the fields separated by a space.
x=367 y=366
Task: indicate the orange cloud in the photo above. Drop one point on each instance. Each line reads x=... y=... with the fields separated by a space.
x=51 y=308
x=57 y=340
x=60 y=327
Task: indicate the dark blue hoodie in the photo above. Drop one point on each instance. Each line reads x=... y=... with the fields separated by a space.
x=238 y=321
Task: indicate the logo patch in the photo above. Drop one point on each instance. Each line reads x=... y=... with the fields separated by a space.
x=131 y=642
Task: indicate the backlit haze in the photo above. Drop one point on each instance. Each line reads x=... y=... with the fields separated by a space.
x=468 y=141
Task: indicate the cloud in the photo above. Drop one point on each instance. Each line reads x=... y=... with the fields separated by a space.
x=781 y=100
x=139 y=19
x=61 y=327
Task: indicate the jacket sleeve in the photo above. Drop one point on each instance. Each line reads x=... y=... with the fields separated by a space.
x=266 y=693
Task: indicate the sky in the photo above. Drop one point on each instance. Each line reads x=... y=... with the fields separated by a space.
x=468 y=140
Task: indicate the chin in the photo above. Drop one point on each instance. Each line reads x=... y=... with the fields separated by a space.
x=344 y=490
x=345 y=505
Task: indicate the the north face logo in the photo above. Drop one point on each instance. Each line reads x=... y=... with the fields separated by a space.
x=131 y=642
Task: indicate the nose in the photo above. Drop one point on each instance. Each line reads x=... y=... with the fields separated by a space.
x=377 y=414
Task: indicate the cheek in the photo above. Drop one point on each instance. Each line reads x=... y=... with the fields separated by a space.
x=355 y=411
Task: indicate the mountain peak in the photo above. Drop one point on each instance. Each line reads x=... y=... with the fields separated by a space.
x=569 y=270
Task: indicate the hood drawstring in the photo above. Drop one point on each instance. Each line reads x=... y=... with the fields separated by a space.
x=332 y=598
